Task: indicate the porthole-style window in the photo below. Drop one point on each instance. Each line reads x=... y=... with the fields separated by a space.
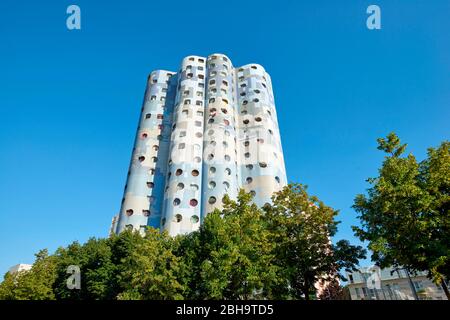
x=246 y=143
x=228 y=171
x=163 y=221
x=253 y=193
x=193 y=202
x=224 y=110
x=148 y=116
x=211 y=120
x=213 y=143
x=247 y=154
x=260 y=140
x=141 y=159
x=225 y=101
x=212 y=170
x=244 y=112
x=150 y=184
x=225 y=144
x=129 y=212
x=249 y=180
x=210 y=132
x=178 y=217
x=211 y=184
x=226 y=184
x=176 y=202
x=258 y=119
x=195 y=219
x=227 y=123
x=244 y=102
x=249 y=166
x=155 y=147
x=199 y=135
x=154 y=159
x=246 y=121
x=255 y=100
x=144 y=135
x=227 y=158
x=263 y=164
x=180 y=186
x=179 y=172
x=242 y=94
x=257 y=91
x=270 y=131
x=194 y=187
x=195 y=173
x=212 y=100
x=197 y=159
x=181 y=146
x=212 y=200
x=253 y=67
x=210 y=156
x=277 y=179
x=227 y=133
x=146 y=213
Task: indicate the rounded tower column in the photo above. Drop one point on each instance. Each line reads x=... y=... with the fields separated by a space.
x=262 y=163
x=220 y=154
x=145 y=181
x=182 y=196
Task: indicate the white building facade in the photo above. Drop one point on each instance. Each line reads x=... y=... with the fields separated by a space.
x=204 y=132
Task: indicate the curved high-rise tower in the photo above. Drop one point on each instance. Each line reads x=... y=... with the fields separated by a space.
x=205 y=131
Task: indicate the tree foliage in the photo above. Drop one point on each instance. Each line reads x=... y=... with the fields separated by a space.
x=405 y=215
x=240 y=252
x=301 y=228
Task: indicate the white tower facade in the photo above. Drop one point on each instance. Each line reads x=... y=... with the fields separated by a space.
x=205 y=131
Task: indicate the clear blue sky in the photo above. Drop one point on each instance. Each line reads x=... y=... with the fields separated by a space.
x=70 y=100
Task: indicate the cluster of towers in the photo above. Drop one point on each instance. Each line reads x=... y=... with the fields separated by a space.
x=205 y=131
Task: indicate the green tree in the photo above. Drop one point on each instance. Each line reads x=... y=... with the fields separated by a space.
x=301 y=229
x=34 y=284
x=151 y=271
x=233 y=253
x=98 y=272
x=405 y=215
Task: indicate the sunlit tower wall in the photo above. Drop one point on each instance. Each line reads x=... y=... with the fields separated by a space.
x=262 y=168
x=143 y=195
x=220 y=174
x=182 y=198
x=204 y=132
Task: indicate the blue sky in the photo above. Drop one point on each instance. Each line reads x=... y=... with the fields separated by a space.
x=70 y=100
